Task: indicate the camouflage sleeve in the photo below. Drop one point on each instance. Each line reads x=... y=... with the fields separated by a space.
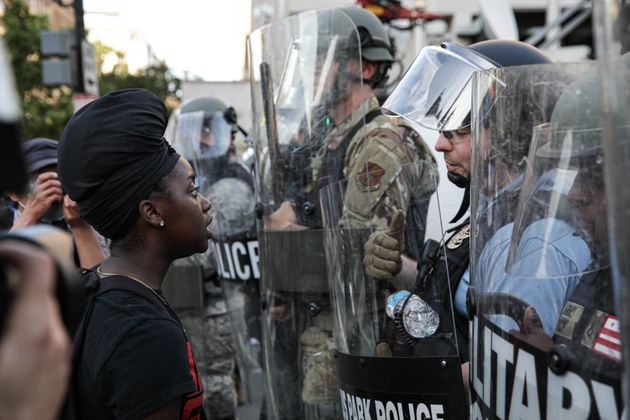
x=379 y=179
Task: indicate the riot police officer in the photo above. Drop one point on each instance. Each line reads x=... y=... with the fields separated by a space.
x=235 y=247
x=205 y=137
x=361 y=140
x=319 y=122
x=427 y=97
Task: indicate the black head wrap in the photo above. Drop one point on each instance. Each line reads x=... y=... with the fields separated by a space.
x=112 y=154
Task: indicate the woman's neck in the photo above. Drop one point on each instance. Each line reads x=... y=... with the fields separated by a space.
x=139 y=265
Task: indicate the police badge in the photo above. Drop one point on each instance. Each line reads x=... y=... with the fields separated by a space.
x=459 y=238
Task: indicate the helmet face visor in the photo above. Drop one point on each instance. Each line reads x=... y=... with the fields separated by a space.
x=565 y=193
x=436 y=91
x=198 y=137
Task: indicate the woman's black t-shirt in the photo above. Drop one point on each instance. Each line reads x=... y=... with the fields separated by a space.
x=136 y=358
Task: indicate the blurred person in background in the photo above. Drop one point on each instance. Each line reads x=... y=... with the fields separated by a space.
x=34 y=345
x=47 y=203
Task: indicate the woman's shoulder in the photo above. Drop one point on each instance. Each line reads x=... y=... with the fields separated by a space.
x=128 y=307
x=120 y=316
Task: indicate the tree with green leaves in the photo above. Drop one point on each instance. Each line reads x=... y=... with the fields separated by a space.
x=156 y=78
x=46 y=110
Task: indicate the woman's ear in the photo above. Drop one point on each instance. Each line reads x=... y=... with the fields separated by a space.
x=150 y=214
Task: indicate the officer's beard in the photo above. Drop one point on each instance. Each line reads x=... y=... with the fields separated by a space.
x=338 y=93
x=460 y=181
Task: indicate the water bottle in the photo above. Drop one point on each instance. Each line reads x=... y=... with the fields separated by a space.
x=419 y=318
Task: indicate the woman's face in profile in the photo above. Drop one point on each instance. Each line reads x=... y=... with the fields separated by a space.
x=185 y=213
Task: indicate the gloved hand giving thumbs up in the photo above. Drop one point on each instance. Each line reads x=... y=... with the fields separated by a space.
x=383 y=250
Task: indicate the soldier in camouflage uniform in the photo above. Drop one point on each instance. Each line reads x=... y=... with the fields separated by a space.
x=372 y=148
x=375 y=157
x=201 y=133
x=372 y=151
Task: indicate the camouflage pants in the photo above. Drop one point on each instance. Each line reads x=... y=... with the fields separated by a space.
x=213 y=346
x=320 y=386
x=320 y=375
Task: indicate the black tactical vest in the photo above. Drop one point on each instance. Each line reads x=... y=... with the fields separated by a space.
x=457 y=261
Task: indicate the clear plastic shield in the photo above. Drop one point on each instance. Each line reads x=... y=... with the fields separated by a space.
x=555 y=217
x=216 y=293
x=299 y=71
x=235 y=249
x=614 y=79
x=385 y=335
x=302 y=70
x=501 y=144
x=545 y=336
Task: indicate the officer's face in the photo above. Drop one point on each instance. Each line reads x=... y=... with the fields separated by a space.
x=588 y=202
x=456 y=147
x=206 y=136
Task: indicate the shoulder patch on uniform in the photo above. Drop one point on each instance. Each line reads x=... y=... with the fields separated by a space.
x=370 y=177
x=570 y=316
x=606 y=340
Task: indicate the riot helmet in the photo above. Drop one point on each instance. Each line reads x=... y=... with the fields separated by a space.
x=436 y=91
x=202 y=134
x=508 y=53
x=375 y=44
x=201 y=130
x=340 y=58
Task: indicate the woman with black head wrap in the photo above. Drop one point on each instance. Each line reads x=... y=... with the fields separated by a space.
x=134 y=358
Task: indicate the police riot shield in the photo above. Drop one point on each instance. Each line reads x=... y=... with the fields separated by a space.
x=611 y=25
x=213 y=293
x=396 y=350
x=545 y=337
x=303 y=68
x=235 y=248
